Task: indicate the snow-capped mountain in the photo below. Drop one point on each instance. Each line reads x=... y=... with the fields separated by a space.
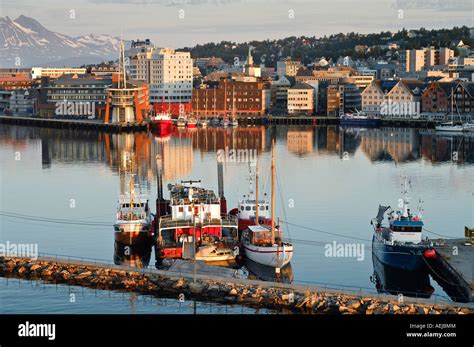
x=24 y=42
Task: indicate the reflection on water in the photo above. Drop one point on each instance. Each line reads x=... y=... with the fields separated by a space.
x=394 y=281
x=267 y=273
x=132 y=255
x=175 y=151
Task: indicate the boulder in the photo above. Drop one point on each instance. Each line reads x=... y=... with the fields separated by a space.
x=83 y=275
x=35 y=267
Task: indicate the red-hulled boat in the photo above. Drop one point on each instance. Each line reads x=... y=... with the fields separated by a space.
x=195 y=227
x=162 y=123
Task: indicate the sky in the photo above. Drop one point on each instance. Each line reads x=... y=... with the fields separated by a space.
x=179 y=23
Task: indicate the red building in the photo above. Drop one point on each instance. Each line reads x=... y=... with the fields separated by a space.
x=437 y=98
x=231 y=98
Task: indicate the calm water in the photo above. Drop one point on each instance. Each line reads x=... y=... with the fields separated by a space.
x=330 y=181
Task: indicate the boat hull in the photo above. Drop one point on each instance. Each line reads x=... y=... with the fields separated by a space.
x=402 y=257
x=270 y=256
x=162 y=126
x=360 y=122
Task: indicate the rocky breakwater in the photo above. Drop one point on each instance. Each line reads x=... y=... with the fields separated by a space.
x=249 y=294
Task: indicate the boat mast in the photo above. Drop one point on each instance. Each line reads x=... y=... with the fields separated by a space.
x=131 y=189
x=256 y=195
x=273 y=191
x=405 y=198
x=233 y=104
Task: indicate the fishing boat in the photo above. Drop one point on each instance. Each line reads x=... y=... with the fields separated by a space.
x=192 y=122
x=196 y=228
x=225 y=122
x=395 y=281
x=247 y=211
x=263 y=243
x=400 y=244
x=134 y=221
x=203 y=123
x=162 y=122
x=358 y=119
x=181 y=122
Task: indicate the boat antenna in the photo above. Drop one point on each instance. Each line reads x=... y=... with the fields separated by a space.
x=256 y=195
x=273 y=191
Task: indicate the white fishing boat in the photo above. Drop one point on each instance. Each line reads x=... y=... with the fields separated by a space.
x=134 y=220
x=263 y=243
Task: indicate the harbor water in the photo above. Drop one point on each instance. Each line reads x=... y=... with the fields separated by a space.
x=58 y=189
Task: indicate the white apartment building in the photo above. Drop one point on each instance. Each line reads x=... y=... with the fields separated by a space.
x=53 y=72
x=300 y=99
x=168 y=73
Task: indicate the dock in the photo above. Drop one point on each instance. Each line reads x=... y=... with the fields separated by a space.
x=453 y=268
x=220 y=288
x=94 y=124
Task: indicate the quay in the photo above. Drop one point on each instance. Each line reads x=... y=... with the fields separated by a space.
x=243 y=121
x=219 y=288
x=74 y=124
x=453 y=268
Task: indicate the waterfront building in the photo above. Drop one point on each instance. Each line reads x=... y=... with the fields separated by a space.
x=300 y=99
x=53 y=72
x=14 y=72
x=288 y=67
x=437 y=97
x=342 y=98
x=279 y=91
x=106 y=70
x=23 y=102
x=231 y=97
x=4 y=100
x=16 y=82
x=374 y=95
x=73 y=88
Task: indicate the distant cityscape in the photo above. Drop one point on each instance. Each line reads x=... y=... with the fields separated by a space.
x=434 y=82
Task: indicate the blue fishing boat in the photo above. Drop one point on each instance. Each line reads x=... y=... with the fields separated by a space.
x=359 y=119
x=400 y=244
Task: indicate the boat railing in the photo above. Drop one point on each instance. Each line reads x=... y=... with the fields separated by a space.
x=167 y=221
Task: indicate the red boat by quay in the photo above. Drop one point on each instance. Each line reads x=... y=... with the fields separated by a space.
x=195 y=227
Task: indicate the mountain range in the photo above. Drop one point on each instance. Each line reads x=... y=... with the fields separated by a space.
x=25 y=43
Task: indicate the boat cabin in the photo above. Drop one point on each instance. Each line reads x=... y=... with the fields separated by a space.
x=248 y=207
x=132 y=209
x=406 y=229
x=259 y=235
